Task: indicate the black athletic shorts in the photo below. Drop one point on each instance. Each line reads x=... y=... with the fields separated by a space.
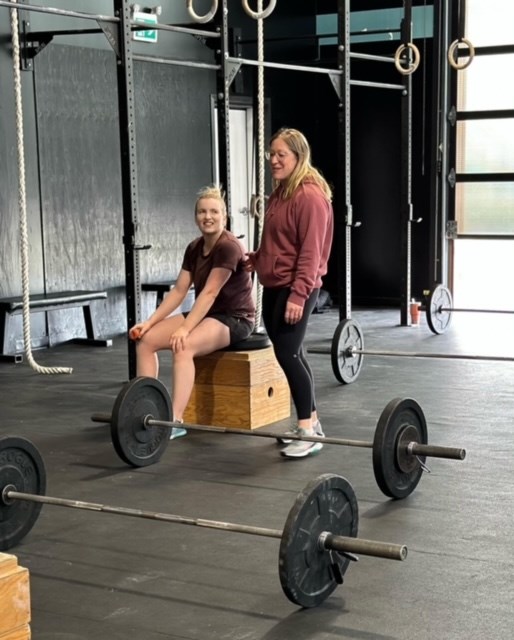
x=240 y=328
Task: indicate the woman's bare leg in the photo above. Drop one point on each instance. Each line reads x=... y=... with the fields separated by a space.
x=154 y=340
x=210 y=335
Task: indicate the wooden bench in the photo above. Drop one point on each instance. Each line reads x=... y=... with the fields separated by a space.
x=241 y=387
x=10 y=307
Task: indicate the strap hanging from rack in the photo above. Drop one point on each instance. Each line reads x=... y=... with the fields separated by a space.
x=453 y=57
x=407 y=51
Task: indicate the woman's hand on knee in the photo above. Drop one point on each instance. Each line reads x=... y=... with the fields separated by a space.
x=178 y=339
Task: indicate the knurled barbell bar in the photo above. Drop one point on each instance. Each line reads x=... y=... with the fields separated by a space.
x=316 y=545
x=440 y=307
x=140 y=433
x=347 y=352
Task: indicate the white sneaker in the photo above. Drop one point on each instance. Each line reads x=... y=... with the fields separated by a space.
x=301 y=448
x=318 y=431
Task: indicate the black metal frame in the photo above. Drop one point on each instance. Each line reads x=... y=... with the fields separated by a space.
x=343 y=208
x=406 y=207
x=118 y=30
x=343 y=230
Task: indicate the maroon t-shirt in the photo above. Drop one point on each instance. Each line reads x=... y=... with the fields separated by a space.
x=235 y=298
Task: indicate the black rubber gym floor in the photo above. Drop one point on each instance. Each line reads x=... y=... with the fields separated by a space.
x=107 y=577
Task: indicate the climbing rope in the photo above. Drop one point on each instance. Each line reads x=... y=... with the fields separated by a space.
x=260 y=201
x=22 y=199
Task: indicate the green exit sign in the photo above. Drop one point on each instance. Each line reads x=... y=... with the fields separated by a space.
x=146 y=35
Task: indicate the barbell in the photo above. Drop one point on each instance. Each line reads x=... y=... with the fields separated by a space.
x=440 y=307
x=140 y=433
x=317 y=543
x=347 y=352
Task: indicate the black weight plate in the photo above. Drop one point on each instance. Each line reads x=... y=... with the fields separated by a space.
x=21 y=469
x=328 y=503
x=346 y=367
x=397 y=473
x=135 y=443
x=437 y=320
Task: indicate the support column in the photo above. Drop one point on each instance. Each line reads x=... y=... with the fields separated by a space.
x=343 y=209
x=130 y=197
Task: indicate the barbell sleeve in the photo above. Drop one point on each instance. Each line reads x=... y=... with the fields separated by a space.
x=433 y=451
x=361 y=546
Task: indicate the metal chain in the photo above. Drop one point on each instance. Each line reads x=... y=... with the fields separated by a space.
x=22 y=199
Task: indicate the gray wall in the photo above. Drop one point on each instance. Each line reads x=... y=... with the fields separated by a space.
x=72 y=153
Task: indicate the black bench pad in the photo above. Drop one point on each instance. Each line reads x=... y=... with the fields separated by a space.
x=51 y=300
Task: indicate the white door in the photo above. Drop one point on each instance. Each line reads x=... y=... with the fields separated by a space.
x=242 y=170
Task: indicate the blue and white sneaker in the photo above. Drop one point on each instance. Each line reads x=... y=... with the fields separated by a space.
x=177 y=432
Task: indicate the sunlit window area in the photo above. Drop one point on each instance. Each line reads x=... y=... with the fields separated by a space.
x=483 y=86
x=484 y=162
x=478 y=281
x=489 y=23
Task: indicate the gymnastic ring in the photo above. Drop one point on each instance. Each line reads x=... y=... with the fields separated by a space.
x=263 y=14
x=258 y=205
x=202 y=19
x=451 y=54
x=413 y=65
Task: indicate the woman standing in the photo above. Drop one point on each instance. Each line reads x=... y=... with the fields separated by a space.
x=290 y=262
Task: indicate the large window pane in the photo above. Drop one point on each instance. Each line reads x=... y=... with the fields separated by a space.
x=483 y=85
x=482 y=279
x=381 y=20
x=490 y=22
x=485 y=208
x=483 y=146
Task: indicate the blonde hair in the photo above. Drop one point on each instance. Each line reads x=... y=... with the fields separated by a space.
x=304 y=171
x=212 y=191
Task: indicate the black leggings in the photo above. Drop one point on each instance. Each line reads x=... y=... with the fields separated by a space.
x=287 y=340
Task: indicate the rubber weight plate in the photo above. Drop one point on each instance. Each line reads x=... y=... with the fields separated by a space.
x=398 y=472
x=21 y=469
x=135 y=443
x=347 y=366
x=307 y=575
x=437 y=320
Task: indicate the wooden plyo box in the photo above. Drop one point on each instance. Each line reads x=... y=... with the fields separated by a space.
x=239 y=389
x=14 y=599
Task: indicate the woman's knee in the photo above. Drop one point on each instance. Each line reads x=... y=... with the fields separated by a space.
x=182 y=357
